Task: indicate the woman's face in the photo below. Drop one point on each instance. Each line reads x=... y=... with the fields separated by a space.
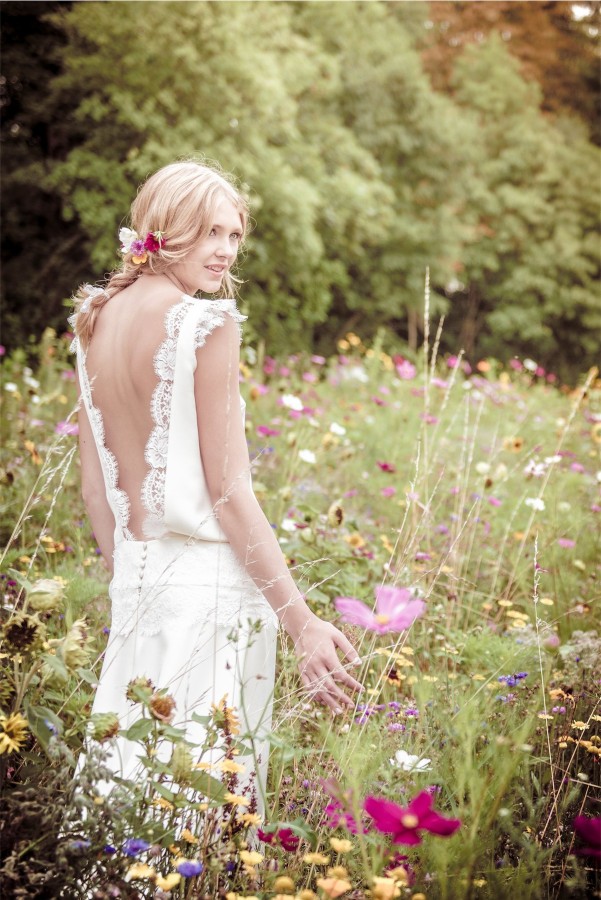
x=206 y=265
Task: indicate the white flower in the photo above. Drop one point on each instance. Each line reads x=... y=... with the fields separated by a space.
x=10 y=386
x=482 y=468
x=31 y=382
x=127 y=236
x=550 y=460
x=288 y=525
x=307 y=456
x=535 y=469
x=530 y=365
x=410 y=763
x=535 y=503
x=335 y=428
x=292 y=402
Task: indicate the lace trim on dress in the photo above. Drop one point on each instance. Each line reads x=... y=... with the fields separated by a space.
x=211 y=315
x=118 y=499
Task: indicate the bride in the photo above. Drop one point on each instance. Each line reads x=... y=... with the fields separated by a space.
x=199 y=583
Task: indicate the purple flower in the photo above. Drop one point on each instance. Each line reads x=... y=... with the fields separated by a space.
x=566 y=543
x=189 y=868
x=589 y=830
x=133 y=846
x=396 y=610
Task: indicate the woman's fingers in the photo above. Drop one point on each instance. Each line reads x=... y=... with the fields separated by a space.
x=347 y=648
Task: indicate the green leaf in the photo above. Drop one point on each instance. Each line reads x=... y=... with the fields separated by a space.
x=88 y=676
x=208 y=786
x=139 y=730
x=163 y=791
x=44 y=724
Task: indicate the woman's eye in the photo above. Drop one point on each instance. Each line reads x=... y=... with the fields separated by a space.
x=237 y=236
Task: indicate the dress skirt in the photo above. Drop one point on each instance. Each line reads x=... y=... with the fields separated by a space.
x=186 y=615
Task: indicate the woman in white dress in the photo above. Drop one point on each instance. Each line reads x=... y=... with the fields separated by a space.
x=166 y=477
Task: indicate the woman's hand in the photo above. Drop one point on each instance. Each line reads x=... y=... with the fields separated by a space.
x=320 y=667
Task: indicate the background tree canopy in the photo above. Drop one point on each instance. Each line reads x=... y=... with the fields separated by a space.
x=373 y=138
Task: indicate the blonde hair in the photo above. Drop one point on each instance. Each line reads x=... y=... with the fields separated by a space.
x=178 y=200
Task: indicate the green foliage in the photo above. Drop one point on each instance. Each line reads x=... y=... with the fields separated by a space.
x=360 y=174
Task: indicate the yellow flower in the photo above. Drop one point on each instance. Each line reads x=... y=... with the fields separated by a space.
x=316 y=859
x=139 y=871
x=283 y=883
x=355 y=540
x=385 y=888
x=14 y=732
x=228 y=765
x=170 y=881
x=235 y=800
x=251 y=857
x=334 y=887
x=250 y=818
x=306 y=895
x=340 y=845
x=189 y=837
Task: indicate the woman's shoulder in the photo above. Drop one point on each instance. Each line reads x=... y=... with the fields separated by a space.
x=220 y=315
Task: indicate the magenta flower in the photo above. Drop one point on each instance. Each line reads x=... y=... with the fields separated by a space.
x=566 y=543
x=405 y=823
x=266 y=431
x=396 y=610
x=589 y=830
x=386 y=467
x=281 y=837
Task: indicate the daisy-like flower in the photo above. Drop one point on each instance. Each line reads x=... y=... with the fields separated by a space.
x=396 y=610
x=307 y=456
x=13 y=732
x=410 y=763
x=405 y=823
x=535 y=503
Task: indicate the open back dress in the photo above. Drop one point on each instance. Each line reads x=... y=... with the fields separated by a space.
x=185 y=613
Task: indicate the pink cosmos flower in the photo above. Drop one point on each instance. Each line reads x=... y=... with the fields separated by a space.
x=266 y=431
x=69 y=428
x=388 y=491
x=405 y=823
x=386 y=467
x=566 y=543
x=589 y=830
x=406 y=370
x=396 y=610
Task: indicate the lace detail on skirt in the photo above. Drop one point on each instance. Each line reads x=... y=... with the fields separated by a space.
x=193 y=582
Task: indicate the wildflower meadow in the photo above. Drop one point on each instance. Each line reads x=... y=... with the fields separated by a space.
x=444 y=514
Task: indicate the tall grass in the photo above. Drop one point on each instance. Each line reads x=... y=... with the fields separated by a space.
x=474 y=488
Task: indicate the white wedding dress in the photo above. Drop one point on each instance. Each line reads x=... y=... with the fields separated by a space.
x=185 y=614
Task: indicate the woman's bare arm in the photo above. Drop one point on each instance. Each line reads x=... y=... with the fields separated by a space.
x=227 y=469
x=93 y=489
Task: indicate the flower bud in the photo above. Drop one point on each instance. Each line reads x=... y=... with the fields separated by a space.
x=181 y=763
x=76 y=647
x=46 y=595
x=335 y=514
x=104 y=726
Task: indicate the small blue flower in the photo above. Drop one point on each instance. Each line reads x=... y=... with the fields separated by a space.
x=109 y=849
x=133 y=846
x=189 y=868
x=80 y=844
